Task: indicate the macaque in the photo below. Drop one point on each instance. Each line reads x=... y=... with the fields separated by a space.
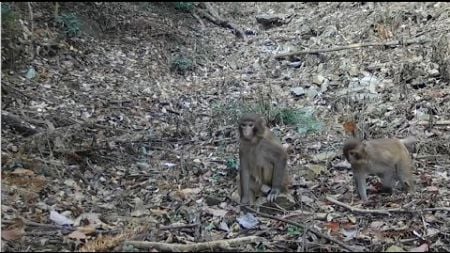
x=410 y=143
x=262 y=161
x=387 y=158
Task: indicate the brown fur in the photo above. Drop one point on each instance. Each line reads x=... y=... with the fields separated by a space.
x=262 y=159
x=387 y=158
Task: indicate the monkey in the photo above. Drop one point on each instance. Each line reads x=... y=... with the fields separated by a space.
x=387 y=158
x=262 y=161
x=410 y=143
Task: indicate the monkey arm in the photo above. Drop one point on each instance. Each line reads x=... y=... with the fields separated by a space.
x=279 y=172
x=279 y=160
x=244 y=181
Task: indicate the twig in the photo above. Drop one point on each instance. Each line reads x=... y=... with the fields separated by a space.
x=355 y=209
x=178 y=226
x=435 y=209
x=42 y=225
x=437 y=123
x=199 y=20
x=30 y=10
x=212 y=16
x=211 y=245
x=386 y=211
x=352 y=46
x=317 y=216
x=20 y=124
x=316 y=232
x=56 y=11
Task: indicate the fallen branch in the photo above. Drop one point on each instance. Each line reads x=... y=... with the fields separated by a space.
x=211 y=245
x=316 y=232
x=316 y=216
x=437 y=123
x=386 y=211
x=355 y=209
x=178 y=226
x=431 y=209
x=352 y=46
x=42 y=225
x=212 y=16
x=24 y=126
x=199 y=20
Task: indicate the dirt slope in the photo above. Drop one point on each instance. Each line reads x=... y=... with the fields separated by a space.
x=128 y=129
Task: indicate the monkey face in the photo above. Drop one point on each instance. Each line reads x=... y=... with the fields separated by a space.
x=354 y=151
x=354 y=156
x=247 y=129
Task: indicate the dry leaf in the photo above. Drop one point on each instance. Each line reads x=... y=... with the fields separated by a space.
x=23 y=172
x=422 y=248
x=12 y=234
x=394 y=248
x=332 y=226
x=14 y=231
x=88 y=229
x=77 y=235
x=350 y=128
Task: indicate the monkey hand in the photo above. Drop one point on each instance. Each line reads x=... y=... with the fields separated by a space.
x=273 y=194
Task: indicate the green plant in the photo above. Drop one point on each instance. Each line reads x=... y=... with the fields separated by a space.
x=182 y=65
x=184 y=6
x=70 y=23
x=308 y=123
x=294 y=231
x=10 y=26
x=287 y=116
x=228 y=113
x=232 y=164
x=8 y=16
x=12 y=50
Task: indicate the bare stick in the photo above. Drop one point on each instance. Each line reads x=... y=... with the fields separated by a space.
x=178 y=226
x=386 y=211
x=352 y=46
x=56 y=11
x=211 y=15
x=35 y=224
x=211 y=245
x=30 y=10
x=316 y=232
x=435 y=209
x=317 y=216
x=199 y=20
x=355 y=209
x=437 y=123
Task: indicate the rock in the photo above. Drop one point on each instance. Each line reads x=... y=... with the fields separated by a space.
x=269 y=20
x=319 y=79
x=212 y=200
x=295 y=64
x=284 y=200
x=324 y=86
x=298 y=91
x=353 y=71
x=311 y=92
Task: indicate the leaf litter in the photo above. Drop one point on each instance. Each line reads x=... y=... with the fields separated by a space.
x=123 y=148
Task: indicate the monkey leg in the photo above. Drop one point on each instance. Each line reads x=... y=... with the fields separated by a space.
x=405 y=177
x=387 y=179
x=360 y=183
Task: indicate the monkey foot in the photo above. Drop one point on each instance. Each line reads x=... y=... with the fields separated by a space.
x=283 y=202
